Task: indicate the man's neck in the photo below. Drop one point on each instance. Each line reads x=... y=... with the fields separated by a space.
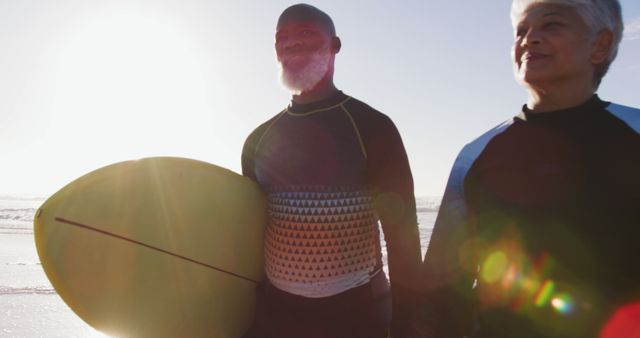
x=320 y=92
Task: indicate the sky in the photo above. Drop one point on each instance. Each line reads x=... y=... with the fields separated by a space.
x=87 y=83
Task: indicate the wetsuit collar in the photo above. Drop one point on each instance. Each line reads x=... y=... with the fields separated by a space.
x=594 y=104
x=327 y=103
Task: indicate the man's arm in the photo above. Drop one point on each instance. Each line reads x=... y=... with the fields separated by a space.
x=396 y=207
x=250 y=149
x=248 y=157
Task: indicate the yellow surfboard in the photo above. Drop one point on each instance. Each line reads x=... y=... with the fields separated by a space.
x=158 y=247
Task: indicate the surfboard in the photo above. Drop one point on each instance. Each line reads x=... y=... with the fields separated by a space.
x=157 y=247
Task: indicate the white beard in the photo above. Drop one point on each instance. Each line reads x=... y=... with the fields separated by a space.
x=309 y=76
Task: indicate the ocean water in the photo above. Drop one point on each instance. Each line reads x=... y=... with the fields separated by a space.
x=30 y=307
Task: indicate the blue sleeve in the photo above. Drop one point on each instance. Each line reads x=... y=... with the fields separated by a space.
x=450 y=267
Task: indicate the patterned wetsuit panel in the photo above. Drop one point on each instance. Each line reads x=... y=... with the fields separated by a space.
x=320 y=240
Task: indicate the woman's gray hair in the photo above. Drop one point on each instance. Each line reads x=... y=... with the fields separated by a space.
x=598 y=15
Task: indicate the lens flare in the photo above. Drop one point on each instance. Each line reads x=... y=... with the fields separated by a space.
x=510 y=276
x=529 y=285
x=563 y=304
x=544 y=294
x=494 y=267
x=624 y=323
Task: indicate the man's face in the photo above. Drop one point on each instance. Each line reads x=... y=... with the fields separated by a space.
x=552 y=44
x=304 y=52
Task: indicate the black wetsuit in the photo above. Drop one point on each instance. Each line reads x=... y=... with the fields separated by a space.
x=330 y=170
x=538 y=234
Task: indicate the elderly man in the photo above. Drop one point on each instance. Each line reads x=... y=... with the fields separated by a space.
x=538 y=231
x=331 y=167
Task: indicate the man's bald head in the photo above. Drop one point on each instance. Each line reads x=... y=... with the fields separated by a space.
x=307 y=13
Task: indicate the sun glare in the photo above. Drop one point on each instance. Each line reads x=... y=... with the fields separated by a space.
x=130 y=77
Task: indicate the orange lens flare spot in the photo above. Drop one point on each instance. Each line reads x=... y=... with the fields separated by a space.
x=529 y=285
x=510 y=276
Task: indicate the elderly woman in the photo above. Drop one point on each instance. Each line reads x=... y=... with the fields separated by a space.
x=539 y=229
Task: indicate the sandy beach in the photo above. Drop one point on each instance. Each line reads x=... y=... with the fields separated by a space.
x=31 y=308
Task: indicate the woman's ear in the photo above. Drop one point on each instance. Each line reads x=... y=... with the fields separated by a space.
x=602 y=47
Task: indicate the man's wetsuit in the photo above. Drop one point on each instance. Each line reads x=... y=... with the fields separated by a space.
x=330 y=170
x=542 y=215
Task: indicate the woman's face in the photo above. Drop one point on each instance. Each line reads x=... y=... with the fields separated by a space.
x=552 y=45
